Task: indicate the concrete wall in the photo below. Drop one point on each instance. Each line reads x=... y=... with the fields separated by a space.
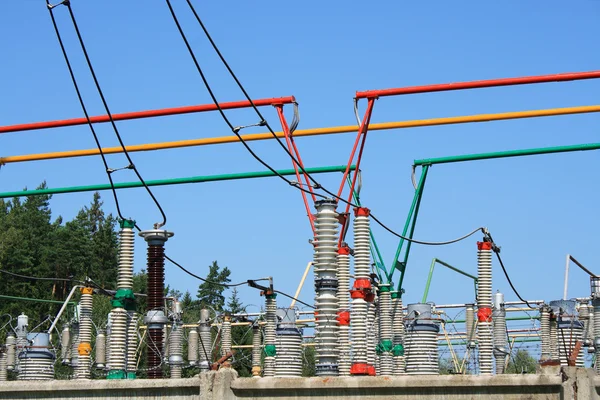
x=565 y=384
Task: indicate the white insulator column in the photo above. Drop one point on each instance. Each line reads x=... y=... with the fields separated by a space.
x=545 y=333
x=590 y=328
x=398 y=334
x=362 y=294
x=595 y=294
x=11 y=345
x=288 y=362
x=270 y=327
x=484 y=305
x=132 y=344
x=386 y=362
x=553 y=337
x=256 y=350
x=65 y=349
x=226 y=335
x=326 y=284
x=125 y=267
x=343 y=294
x=500 y=335
x=3 y=364
x=569 y=332
x=193 y=347
x=584 y=317
x=84 y=349
x=470 y=326
x=205 y=340
x=373 y=334
x=118 y=344
x=108 y=329
x=176 y=350
x=421 y=344
x=100 y=350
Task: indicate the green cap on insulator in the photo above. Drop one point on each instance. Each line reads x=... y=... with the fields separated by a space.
x=131 y=375
x=124 y=298
x=395 y=295
x=116 y=374
x=398 y=350
x=271 y=296
x=270 y=350
x=384 y=288
x=127 y=223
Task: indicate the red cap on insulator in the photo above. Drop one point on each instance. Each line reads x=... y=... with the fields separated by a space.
x=344 y=250
x=484 y=314
x=343 y=317
x=371 y=370
x=362 y=283
x=361 y=212
x=359 y=369
x=484 y=245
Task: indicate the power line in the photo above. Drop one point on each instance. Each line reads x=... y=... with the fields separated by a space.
x=227 y=285
x=35 y=278
x=109 y=171
x=264 y=122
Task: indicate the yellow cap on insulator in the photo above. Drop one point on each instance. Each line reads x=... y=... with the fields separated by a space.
x=84 y=349
x=87 y=290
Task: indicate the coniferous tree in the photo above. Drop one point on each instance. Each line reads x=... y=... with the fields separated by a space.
x=210 y=293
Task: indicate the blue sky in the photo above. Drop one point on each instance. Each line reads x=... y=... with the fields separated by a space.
x=537 y=208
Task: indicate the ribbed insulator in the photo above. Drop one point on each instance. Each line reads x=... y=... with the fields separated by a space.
x=11 y=347
x=470 y=325
x=567 y=338
x=590 y=327
x=362 y=249
x=65 y=349
x=288 y=362
x=225 y=336
x=343 y=294
x=326 y=302
x=256 y=351
x=118 y=340
x=193 y=347
x=596 y=304
x=125 y=269
x=176 y=350
x=156 y=276
x=421 y=352
x=132 y=341
x=500 y=339
x=74 y=345
x=553 y=339
x=484 y=278
x=270 y=336
x=36 y=369
x=3 y=365
x=373 y=336
x=398 y=334
x=343 y=276
x=584 y=317
x=484 y=334
x=82 y=369
x=100 y=350
x=205 y=346
x=165 y=341
x=484 y=300
x=545 y=333
x=386 y=364
x=358 y=326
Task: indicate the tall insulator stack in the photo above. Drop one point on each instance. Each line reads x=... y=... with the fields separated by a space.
x=343 y=294
x=385 y=346
x=595 y=295
x=226 y=338
x=326 y=284
x=270 y=335
x=545 y=333
x=65 y=349
x=84 y=349
x=155 y=318
x=11 y=347
x=193 y=347
x=100 y=350
x=21 y=341
x=500 y=338
x=470 y=326
x=373 y=336
x=590 y=328
x=3 y=363
x=398 y=334
x=288 y=362
x=421 y=344
x=584 y=317
x=362 y=294
x=205 y=343
x=74 y=345
x=484 y=306
x=553 y=336
x=256 y=350
x=176 y=342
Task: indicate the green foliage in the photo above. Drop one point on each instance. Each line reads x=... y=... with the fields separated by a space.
x=211 y=293
x=308 y=362
x=521 y=363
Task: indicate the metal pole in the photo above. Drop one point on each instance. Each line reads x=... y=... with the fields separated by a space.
x=62 y=309
x=293 y=303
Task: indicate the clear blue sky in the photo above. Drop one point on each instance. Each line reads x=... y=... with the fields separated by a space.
x=538 y=208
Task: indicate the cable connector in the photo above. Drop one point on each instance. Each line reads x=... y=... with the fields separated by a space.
x=64 y=2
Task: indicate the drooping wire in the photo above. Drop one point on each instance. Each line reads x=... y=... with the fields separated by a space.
x=215 y=101
x=316 y=184
x=293 y=298
x=35 y=278
x=132 y=166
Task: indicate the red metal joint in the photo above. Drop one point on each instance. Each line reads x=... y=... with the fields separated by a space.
x=343 y=317
x=484 y=314
x=359 y=369
x=344 y=250
x=484 y=245
x=361 y=212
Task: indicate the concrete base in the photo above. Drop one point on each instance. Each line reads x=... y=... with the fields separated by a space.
x=567 y=384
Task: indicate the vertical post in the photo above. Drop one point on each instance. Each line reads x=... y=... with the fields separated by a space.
x=484 y=305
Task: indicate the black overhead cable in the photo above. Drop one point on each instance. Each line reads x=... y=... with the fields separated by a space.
x=265 y=123
x=108 y=170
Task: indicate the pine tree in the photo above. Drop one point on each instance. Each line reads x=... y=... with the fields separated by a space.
x=210 y=293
